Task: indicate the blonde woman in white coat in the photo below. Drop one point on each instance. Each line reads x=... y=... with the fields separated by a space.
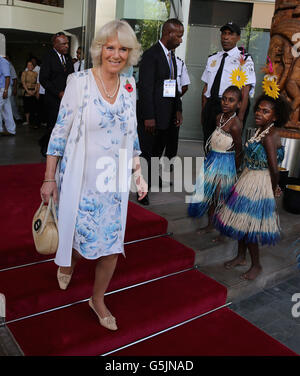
x=91 y=153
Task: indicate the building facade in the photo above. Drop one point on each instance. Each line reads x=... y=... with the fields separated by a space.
x=27 y=26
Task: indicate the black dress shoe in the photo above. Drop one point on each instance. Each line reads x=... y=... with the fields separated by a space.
x=144 y=201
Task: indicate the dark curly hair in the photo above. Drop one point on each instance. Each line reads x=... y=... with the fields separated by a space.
x=235 y=90
x=281 y=106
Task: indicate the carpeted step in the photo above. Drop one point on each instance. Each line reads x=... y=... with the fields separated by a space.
x=21 y=198
x=140 y=311
x=34 y=288
x=221 y=333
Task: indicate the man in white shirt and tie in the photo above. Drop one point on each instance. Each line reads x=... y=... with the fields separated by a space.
x=217 y=79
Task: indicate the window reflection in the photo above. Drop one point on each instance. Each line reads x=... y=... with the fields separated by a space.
x=145 y=17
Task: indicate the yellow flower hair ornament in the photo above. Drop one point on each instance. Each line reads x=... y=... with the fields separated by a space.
x=238 y=77
x=269 y=84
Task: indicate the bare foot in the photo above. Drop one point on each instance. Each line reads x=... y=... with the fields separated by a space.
x=237 y=261
x=219 y=239
x=206 y=230
x=252 y=273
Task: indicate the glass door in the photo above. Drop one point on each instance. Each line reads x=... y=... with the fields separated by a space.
x=26 y=29
x=205 y=19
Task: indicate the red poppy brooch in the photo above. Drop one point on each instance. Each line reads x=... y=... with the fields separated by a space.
x=128 y=87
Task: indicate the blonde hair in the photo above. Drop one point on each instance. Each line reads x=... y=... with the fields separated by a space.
x=126 y=36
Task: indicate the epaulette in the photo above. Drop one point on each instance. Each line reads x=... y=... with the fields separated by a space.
x=246 y=56
x=243 y=51
x=213 y=54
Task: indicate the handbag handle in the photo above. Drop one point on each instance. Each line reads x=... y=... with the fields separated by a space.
x=50 y=207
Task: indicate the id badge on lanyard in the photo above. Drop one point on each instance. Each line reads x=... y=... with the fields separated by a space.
x=170 y=84
x=169 y=88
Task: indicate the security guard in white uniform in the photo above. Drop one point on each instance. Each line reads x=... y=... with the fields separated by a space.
x=183 y=79
x=217 y=74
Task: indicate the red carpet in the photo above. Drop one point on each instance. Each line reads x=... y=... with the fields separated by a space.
x=221 y=333
x=38 y=288
x=20 y=198
x=140 y=310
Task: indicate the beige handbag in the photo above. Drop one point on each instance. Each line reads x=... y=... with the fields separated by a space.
x=45 y=229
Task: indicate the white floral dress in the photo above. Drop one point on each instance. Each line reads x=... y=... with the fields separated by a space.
x=110 y=139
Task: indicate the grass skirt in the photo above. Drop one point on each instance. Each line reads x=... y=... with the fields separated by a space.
x=250 y=211
x=215 y=186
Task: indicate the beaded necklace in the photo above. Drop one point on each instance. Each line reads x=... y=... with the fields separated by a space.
x=258 y=136
x=222 y=124
x=219 y=129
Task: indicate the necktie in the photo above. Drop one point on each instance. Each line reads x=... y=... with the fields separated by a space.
x=171 y=65
x=63 y=61
x=79 y=66
x=214 y=92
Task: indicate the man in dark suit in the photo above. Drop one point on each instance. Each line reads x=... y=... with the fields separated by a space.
x=55 y=68
x=159 y=108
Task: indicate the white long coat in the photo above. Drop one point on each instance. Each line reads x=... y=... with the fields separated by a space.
x=68 y=141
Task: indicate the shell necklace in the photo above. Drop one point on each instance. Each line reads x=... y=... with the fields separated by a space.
x=258 y=136
x=223 y=123
x=219 y=128
x=104 y=88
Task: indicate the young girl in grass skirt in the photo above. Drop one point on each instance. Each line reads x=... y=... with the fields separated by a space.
x=220 y=164
x=249 y=214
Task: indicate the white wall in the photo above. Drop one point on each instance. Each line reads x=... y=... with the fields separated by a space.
x=31 y=18
x=41 y=18
x=73 y=10
x=105 y=12
x=262 y=15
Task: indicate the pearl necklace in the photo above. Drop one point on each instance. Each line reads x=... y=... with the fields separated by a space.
x=222 y=124
x=104 y=88
x=257 y=137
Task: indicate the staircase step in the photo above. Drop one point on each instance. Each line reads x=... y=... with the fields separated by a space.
x=16 y=215
x=208 y=251
x=33 y=289
x=18 y=248
x=220 y=333
x=176 y=214
x=140 y=312
x=278 y=263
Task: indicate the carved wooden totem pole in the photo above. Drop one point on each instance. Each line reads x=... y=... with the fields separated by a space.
x=284 y=52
